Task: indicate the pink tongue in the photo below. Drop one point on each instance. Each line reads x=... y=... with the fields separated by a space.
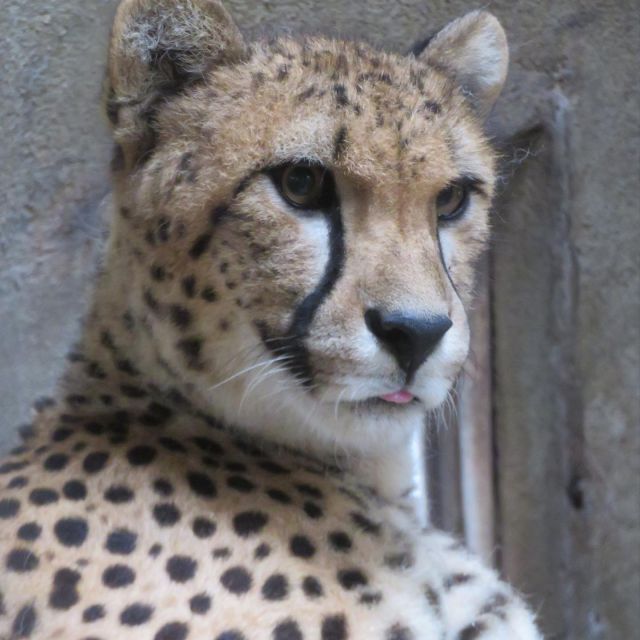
x=398 y=397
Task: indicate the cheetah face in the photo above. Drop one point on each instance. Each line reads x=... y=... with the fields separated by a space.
x=308 y=214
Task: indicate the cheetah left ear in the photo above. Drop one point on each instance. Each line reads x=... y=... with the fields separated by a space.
x=158 y=49
x=474 y=50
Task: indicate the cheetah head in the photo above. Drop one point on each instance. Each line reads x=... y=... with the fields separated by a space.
x=297 y=221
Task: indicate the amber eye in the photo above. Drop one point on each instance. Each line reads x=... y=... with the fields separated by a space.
x=303 y=185
x=452 y=202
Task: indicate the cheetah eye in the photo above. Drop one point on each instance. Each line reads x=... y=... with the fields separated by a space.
x=304 y=186
x=452 y=202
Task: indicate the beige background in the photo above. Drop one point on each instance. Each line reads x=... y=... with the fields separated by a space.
x=564 y=269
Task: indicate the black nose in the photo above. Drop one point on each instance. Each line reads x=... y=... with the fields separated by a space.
x=409 y=337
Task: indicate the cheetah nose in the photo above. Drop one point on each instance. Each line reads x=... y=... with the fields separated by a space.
x=410 y=338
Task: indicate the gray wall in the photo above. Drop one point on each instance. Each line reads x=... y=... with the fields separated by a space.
x=564 y=263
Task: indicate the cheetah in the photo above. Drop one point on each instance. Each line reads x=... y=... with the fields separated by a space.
x=281 y=300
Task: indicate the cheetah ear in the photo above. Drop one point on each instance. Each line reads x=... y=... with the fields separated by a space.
x=160 y=47
x=473 y=49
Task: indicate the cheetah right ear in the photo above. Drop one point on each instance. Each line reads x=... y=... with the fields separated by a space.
x=473 y=51
x=160 y=47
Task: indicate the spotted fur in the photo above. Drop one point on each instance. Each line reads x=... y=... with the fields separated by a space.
x=218 y=463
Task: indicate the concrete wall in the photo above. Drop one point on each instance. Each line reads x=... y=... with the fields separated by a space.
x=565 y=269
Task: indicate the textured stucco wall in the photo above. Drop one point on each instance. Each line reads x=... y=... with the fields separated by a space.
x=565 y=261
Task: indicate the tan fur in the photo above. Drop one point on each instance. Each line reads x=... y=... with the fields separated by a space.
x=205 y=268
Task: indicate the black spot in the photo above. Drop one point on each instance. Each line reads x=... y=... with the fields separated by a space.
x=136 y=614
x=401 y=560
x=141 y=455
x=312 y=587
x=200 y=246
x=456 y=580
x=203 y=527
x=431 y=106
x=340 y=93
x=131 y=391
x=21 y=560
x=334 y=628
x=208 y=446
x=172 y=631
x=191 y=348
x=200 y=603
x=9 y=467
x=18 y=482
x=71 y=532
x=158 y=272
x=74 y=490
x=171 y=444
x=9 y=507
x=180 y=316
x=261 y=551
x=236 y=580
x=166 y=514
x=352 y=579
x=273 y=467
x=301 y=547
x=93 y=613
x=238 y=467
x=275 y=587
x=24 y=623
x=472 y=631
x=364 y=524
x=42 y=496
x=340 y=143
x=121 y=541
x=29 y=531
x=398 y=632
x=162 y=230
x=117 y=576
x=181 y=568
x=162 y=487
x=118 y=494
x=340 y=541
x=201 y=484
x=95 y=461
x=56 y=462
x=189 y=286
x=309 y=490
x=155 y=415
x=155 y=550
x=287 y=630
x=61 y=434
x=312 y=510
x=151 y=301
x=432 y=596
x=77 y=399
x=125 y=366
x=209 y=294
x=221 y=552
x=94 y=370
x=249 y=523
x=306 y=94
x=230 y=635
x=370 y=598
x=64 y=593
x=240 y=483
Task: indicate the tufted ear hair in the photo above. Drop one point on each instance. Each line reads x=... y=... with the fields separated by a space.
x=473 y=49
x=160 y=47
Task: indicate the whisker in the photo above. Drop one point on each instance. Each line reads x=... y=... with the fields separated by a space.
x=247 y=369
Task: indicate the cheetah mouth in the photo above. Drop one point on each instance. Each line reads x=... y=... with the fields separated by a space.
x=381 y=403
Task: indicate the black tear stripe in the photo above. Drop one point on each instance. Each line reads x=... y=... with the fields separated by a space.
x=292 y=344
x=444 y=265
